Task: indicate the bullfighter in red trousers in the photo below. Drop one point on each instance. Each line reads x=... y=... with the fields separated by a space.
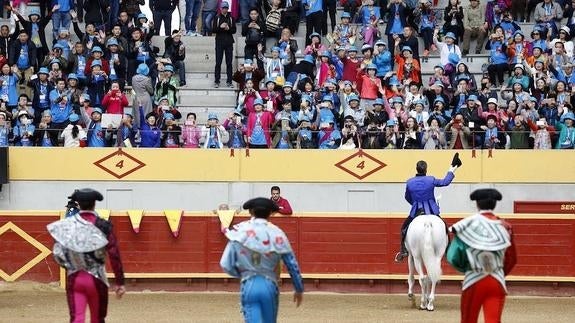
x=82 y=241
x=483 y=249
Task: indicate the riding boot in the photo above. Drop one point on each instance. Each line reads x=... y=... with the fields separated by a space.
x=403 y=250
x=447 y=233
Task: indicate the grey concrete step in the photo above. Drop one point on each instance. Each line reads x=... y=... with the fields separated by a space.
x=216 y=99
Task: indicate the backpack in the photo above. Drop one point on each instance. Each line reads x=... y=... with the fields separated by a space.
x=273 y=20
x=253 y=37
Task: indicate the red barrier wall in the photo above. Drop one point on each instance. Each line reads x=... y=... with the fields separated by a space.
x=324 y=245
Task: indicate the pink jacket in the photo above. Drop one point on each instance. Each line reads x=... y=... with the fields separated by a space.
x=266 y=120
x=191 y=136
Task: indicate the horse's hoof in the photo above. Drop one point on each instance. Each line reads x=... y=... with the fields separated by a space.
x=410 y=297
x=422 y=307
x=430 y=309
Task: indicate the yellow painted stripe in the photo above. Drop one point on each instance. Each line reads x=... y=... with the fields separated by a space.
x=339 y=276
x=329 y=166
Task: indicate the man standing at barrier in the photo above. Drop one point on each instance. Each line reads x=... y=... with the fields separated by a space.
x=483 y=249
x=420 y=193
x=253 y=254
x=82 y=242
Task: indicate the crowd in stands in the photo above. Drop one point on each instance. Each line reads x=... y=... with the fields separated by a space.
x=355 y=83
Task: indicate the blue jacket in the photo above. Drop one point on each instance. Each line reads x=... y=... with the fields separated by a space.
x=65 y=5
x=314 y=6
x=383 y=62
x=420 y=193
x=60 y=113
x=150 y=135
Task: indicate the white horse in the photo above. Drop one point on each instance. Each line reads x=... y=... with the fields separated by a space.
x=426 y=242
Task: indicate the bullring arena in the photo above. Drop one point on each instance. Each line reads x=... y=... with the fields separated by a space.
x=345 y=230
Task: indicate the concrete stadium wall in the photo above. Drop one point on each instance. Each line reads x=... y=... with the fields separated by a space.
x=308 y=197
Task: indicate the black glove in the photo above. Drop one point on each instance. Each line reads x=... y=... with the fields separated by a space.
x=456 y=162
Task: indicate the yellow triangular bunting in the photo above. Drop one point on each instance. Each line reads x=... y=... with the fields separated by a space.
x=226 y=217
x=174 y=218
x=136 y=219
x=104 y=214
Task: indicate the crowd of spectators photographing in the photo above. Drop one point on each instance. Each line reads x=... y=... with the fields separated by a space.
x=357 y=82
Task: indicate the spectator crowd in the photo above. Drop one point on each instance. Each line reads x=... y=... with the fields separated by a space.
x=356 y=82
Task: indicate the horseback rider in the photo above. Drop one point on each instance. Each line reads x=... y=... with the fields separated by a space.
x=419 y=192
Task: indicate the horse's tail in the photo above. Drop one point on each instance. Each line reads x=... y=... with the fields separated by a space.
x=432 y=263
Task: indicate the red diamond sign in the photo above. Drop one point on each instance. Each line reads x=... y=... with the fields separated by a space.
x=360 y=165
x=119 y=164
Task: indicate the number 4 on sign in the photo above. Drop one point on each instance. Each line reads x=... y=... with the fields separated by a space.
x=120 y=164
x=361 y=165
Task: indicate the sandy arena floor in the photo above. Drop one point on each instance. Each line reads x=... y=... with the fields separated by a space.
x=31 y=302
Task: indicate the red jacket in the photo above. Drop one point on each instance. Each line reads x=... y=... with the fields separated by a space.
x=285 y=207
x=266 y=120
x=114 y=104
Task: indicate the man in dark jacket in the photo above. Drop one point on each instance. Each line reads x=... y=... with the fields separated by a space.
x=23 y=55
x=42 y=88
x=6 y=39
x=224 y=27
x=45 y=135
x=96 y=13
x=35 y=28
x=176 y=52
x=163 y=10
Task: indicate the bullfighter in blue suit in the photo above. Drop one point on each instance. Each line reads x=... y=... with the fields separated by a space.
x=253 y=253
x=420 y=193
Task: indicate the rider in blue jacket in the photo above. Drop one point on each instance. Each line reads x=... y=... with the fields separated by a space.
x=419 y=192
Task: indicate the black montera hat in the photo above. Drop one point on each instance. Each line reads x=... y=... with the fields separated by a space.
x=261 y=202
x=86 y=195
x=485 y=194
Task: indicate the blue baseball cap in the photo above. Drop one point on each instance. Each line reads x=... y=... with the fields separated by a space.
x=472 y=97
x=73 y=117
x=450 y=35
x=258 y=102
x=211 y=116
x=169 y=68
x=143 y=69
x=169 y=116
x=314 y=34
x=112 y=42
x=43 y=70
x=97 y=49
x=345 y=15
x=327 y=98
x=96 y=62
x=378 y=101
x=352 y=97
x=97 y=110
x=72 y=76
